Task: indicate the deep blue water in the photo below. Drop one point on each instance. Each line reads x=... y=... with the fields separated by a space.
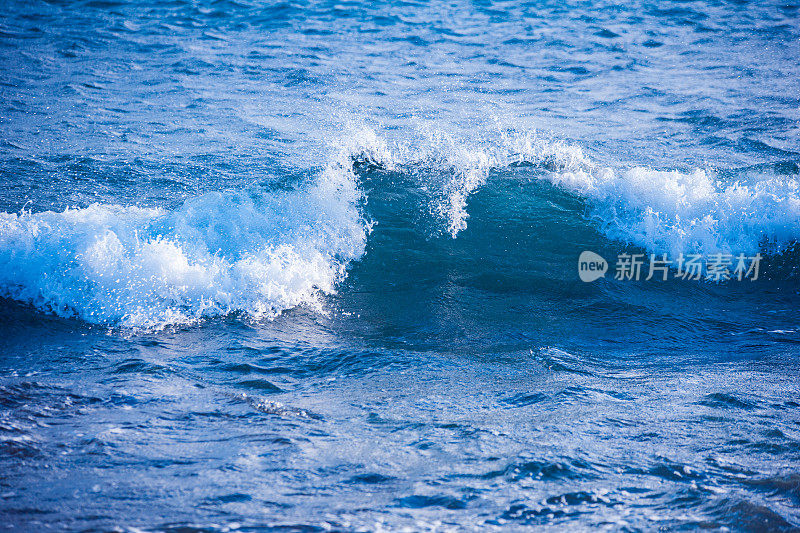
x=314 y=266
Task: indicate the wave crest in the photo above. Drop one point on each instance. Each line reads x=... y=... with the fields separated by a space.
x=663 y=211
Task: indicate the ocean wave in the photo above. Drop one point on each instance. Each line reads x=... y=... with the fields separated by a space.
x=256 y=252
x=259 y=252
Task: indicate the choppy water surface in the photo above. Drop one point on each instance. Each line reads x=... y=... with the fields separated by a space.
x=313 y=266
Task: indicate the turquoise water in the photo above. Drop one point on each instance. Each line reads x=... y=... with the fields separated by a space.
x=314 y=266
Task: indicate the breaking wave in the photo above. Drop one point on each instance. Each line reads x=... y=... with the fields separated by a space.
x=256 y=252
x=259 y=251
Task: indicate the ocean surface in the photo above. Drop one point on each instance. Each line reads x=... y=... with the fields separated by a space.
x=313 y=266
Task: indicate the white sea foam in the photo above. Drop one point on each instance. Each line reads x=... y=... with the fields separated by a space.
x=689 y=212
x=257 y=253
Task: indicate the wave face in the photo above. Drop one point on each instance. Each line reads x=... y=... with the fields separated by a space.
x=256 y=252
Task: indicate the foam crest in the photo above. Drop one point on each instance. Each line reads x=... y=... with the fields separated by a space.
x=664 y=211
x=446 y=167
x=254 y=252
x=449 y=168
x=689 y=212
